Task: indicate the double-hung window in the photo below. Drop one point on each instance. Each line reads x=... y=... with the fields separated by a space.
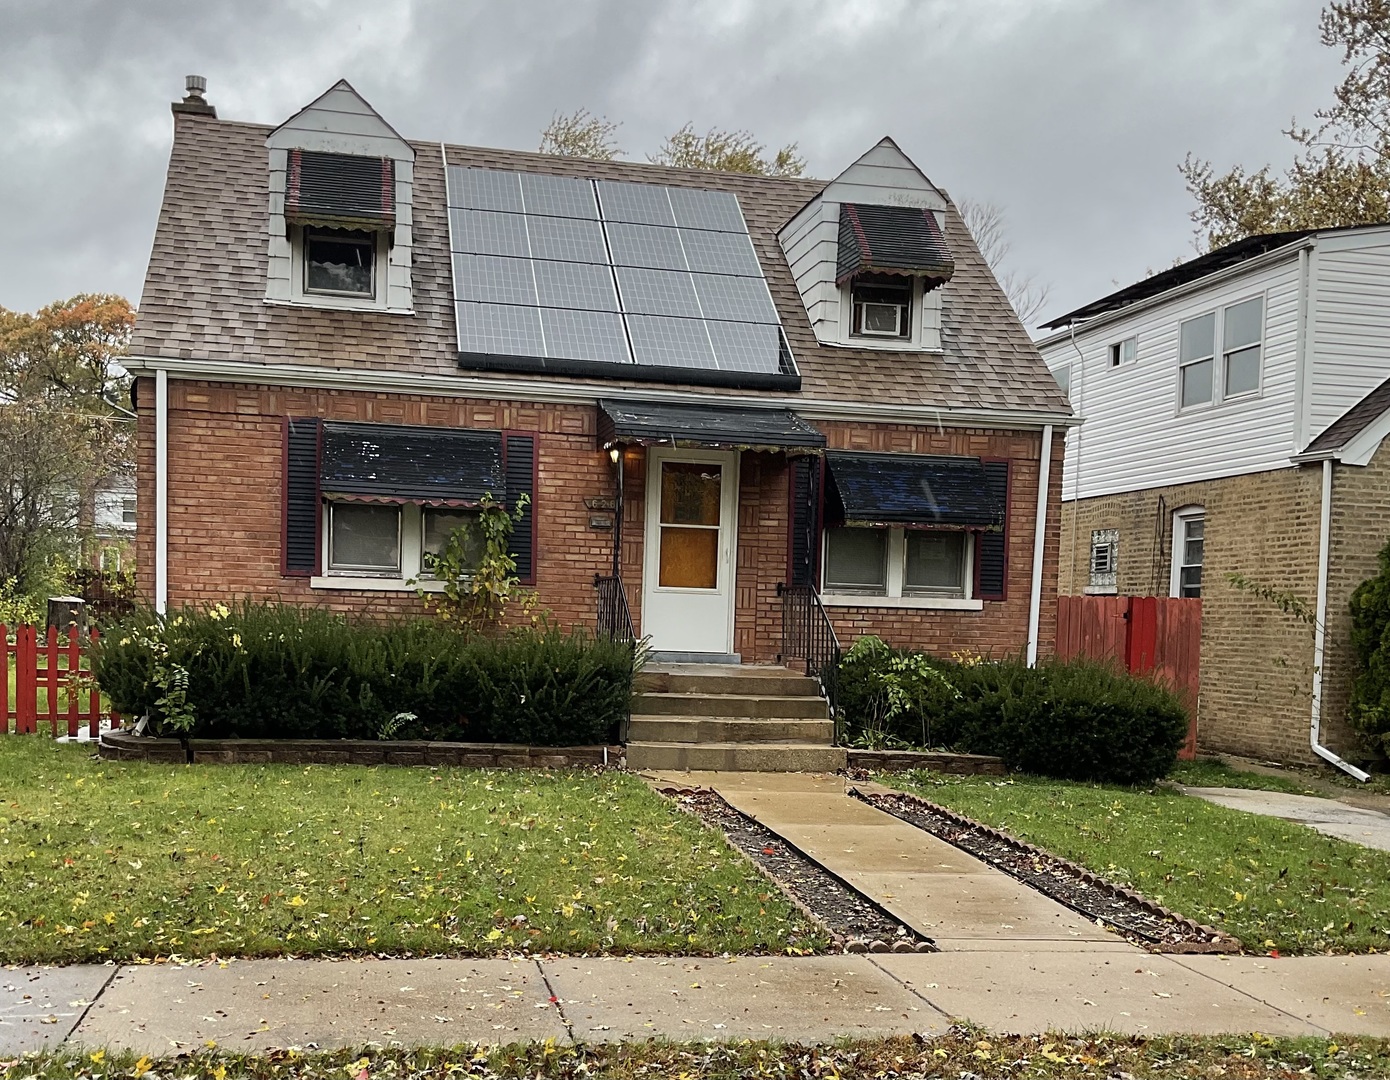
x=1189 y=551
x=364 y=538
x=1196 y=359
x=896 y=562
x=1241 y=333
x=1240 y=329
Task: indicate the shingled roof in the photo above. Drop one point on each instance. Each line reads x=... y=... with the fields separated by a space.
x=204 y=294
x=1352 y=422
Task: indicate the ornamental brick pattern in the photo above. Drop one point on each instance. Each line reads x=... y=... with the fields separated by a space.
x=225 y=512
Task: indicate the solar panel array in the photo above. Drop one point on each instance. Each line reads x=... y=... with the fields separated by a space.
x=608 y=272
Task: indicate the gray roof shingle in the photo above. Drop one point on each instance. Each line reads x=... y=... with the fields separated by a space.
x=205 y=286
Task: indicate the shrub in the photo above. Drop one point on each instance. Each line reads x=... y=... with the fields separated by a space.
x=1078 y=720
x=277 y=671
x=1369 y=710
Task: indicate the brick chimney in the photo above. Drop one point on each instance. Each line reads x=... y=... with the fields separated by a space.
x=194 y=102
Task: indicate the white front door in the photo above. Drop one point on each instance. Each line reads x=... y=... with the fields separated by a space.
x=688 y=570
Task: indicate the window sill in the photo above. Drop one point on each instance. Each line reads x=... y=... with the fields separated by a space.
x=919 y=603
x=348 y=583
x=325 y=303
x=1100 y=590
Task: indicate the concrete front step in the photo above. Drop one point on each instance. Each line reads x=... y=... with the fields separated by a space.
x=712 y=729
x=734 y=757
x=775 y=707
x=754 y=682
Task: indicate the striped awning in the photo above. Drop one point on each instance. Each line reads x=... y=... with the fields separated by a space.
x=900 y=240
x=340 y=190
x=396 y=463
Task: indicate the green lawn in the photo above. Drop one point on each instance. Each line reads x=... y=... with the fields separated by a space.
x=1325 y=782
x=115 y=860
x=964 y=1052
x=1271 y=883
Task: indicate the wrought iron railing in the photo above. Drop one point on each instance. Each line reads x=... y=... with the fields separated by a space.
x=808 y=635
x=614 y=616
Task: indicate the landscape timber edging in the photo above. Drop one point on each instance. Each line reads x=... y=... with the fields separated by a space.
x=124 y=746
x=935 y=760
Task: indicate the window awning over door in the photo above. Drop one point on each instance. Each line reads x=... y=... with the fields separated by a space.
x=641 y=423
x=398 y=464
x=914 y=490
x=340 y=190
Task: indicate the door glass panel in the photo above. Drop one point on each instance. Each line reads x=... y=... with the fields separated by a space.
x=689 y=493
x=689 y=558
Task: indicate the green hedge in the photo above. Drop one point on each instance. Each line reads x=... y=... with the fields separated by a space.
x=277 y=671
x=1079 y=720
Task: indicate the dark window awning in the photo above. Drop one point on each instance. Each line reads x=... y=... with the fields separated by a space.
x=394 y=463
x=340 y=190
x=902 y=240
x=915 y=490
x=660 y=424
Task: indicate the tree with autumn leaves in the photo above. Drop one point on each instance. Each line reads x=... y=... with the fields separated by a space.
x=65 y=427
x=1341 y=172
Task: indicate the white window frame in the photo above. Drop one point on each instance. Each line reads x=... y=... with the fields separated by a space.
x=1220 y=355
x=922 y=301
x=1104 y=582
x=1124 y=351
x=1181 y=519
x=894 y=594
x=344 y=301
x=411 y=549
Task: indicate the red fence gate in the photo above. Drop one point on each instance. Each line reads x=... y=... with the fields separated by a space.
x=48 y=678
x=1146 y=635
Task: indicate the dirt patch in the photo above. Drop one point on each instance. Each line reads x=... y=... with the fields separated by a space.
x=1134 y=916
x=856 y=922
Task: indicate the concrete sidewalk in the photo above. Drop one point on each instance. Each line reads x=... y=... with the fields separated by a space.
x=253 y=1005
x=1332 y=817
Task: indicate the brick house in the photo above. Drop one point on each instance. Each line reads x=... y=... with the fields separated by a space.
x=1234 y=409
x=708 y=385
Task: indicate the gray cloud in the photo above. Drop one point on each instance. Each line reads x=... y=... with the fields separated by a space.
x=1070 y=114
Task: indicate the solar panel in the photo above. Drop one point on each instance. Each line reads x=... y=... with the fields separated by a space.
x=658 y=292
x=645 y=245
x=567 y=239
x=558 y=196
x=660 y=341
x=585 y=335
x=714 y=210
x=500 y=329
x=738 y=299
x=720 y=253
x=493 y=279
x=751 y=347
x=575 y=285
x=483 y=232
x=608 y=273
x=640 y=204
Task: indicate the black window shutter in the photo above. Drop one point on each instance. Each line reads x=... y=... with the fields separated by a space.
x=519 y=463
x=992 y=552
x=805 y=515
x=301 y=524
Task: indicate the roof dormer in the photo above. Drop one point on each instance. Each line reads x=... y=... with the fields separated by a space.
x=869 y=255
x=340 y=225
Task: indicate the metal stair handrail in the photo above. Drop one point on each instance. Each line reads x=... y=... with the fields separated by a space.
x=808 y=633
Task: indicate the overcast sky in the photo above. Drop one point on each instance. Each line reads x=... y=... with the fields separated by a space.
x=1071 y=115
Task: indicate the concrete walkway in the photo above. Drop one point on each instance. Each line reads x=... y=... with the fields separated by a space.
x=1333 y=817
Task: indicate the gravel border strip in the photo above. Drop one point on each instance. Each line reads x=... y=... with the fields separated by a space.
x=812 y=888
x=1179 y=934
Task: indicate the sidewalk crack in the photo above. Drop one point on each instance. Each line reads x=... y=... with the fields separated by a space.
x=115 y=970
x=1178 y=959
x=909 y=987
x=555 y=1000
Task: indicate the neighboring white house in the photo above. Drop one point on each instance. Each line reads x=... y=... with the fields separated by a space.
x=1209 y=395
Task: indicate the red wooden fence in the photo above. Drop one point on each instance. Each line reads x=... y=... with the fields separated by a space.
x=1145 y=635
x=48 y=662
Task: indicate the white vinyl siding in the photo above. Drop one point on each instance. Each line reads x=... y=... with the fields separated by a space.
x=1135 y=435
x=1349 y=339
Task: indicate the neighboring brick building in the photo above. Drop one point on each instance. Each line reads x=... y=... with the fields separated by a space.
x=346 y=340
x=1228 y=403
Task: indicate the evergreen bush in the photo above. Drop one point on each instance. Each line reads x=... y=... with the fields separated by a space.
x=273 y=671
x=1369 y=709
x=1074 y=720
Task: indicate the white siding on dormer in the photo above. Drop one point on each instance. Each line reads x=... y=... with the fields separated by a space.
x=885 y=176
x=1349 y=340
x=811 y=242
x=339 y=122
x=1133 y=437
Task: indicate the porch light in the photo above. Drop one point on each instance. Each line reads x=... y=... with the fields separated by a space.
x=613 y=454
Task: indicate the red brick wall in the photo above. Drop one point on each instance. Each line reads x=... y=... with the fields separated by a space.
x=225 y=479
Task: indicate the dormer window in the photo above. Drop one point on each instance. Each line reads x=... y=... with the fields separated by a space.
x=881 y=309
x=340 y=262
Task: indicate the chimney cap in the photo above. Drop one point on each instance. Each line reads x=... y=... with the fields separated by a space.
x=194 y=103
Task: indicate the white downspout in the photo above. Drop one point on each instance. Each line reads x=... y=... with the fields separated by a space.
x=1039 y=543
x=161 y=490
x=1320 y=629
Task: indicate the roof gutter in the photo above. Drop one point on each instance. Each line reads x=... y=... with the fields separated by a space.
x=1257 y=262
x=1320 y=631
x=562 y=393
